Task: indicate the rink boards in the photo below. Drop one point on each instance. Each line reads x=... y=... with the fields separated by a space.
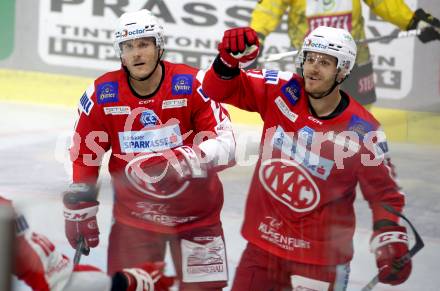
x=43 y=88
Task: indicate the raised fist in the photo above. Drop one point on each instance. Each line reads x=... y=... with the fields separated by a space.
x=239 y=47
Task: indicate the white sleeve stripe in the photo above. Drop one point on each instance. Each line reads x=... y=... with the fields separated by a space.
x=57 y=269
x=200 y=76
x=90 y=90
x=258 y=76
x=217 y=111
x=220 y=151
x=286 y=76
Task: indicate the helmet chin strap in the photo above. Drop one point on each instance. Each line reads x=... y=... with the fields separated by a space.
x=152 y=71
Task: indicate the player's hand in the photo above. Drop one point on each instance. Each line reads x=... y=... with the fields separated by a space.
x=165 y=174
x=428 y=25
x=80 y=208
x=148 y=277
x=239 y=47
x=168 y=170
x=390 y=245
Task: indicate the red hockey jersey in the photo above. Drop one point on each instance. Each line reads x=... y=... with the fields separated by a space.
x=36 y=261
x=42 y=267
x=112 y=116
x=300 y=202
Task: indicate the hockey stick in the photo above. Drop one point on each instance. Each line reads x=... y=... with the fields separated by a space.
x=403 y=260
x=393 y=35
x=81 y=249
x=81 y=246
x=279 y=56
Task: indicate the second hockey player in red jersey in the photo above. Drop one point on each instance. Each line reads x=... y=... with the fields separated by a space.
x=168 y=141
x=318 y=144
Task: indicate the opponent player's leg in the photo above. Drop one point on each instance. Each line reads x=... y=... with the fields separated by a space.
x=199 y=256
x=132 y=247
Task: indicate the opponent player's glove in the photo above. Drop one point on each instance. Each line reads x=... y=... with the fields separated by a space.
x=428 y=24
x=80 y=208
x=239 y=47
x=148 y=277
x=168 y=170
x=390 y=244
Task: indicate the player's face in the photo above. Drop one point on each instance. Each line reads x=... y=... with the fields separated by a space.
x=319 y=73
x=139 y=56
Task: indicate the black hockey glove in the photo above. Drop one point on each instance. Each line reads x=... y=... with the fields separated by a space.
x=428 y=24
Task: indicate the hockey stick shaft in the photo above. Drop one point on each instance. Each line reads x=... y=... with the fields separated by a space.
x=414 y=250
x=86 y=196
x=81 y=249
x=279 y=56
x=393 y=35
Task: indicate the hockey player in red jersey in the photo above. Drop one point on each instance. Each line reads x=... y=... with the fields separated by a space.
x=318 y=143
x=43 y=268
x=168 y=141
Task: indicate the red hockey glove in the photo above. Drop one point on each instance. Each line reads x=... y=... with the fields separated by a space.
x=428 y=24
x=390 y=243
x=239 y=47
x=168 y=170
x=80 y=208
x=148 y=277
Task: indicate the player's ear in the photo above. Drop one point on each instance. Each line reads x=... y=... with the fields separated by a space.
x=123 y=61
x=341 y=75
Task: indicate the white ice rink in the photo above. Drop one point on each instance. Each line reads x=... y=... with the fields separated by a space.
x=33 y=143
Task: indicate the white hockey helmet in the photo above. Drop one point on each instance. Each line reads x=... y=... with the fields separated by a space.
x=332 y=41
x=138 y=24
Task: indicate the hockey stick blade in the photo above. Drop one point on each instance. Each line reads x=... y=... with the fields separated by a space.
x=393 y=35
x=81 y=249
x=419 y=244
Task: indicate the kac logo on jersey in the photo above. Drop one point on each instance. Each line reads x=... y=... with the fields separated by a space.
x=291 y=185
x=292 y=90
x=181 y=84
x=149 y=118
x=107 y=92
x=142 y=181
